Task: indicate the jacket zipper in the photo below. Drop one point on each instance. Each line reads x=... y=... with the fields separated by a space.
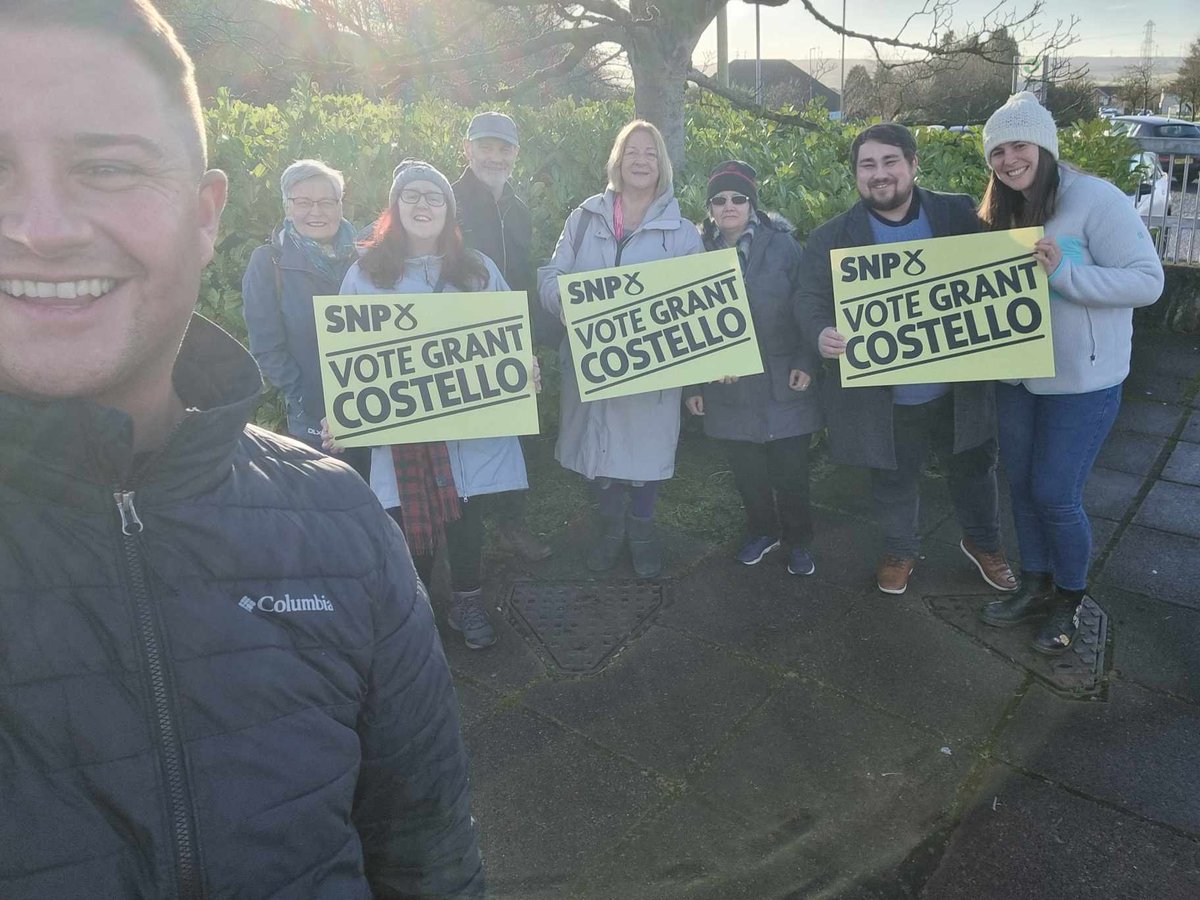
x=170 y=747
x=503 y=235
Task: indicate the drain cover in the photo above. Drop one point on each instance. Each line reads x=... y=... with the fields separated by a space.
x=1077 y=672
x=581 y=624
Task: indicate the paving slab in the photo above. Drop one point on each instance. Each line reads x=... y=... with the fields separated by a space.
x=547 y=801
x=475 y=703
x=665 y=702
x=1166 y=354
x=1183 y=464
x=852 y=789
x=1129 y=451
x=1110 y=493
x=1148 y=417
x=1191 y=431
x=1023 y=839
x=1155 y=563
x=1138 y=750
x=759 y=611
x=889 y=650
x=1159 y=388
x=1102 y=532
x=1171 y=507
x=1077 y=673
x=507 y=665
x=1155 y=643
x=699 y=851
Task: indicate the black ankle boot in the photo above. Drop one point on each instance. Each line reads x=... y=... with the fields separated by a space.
x=608 y=536
x=1031 y=601
x=1058 y=631
x=645 y=548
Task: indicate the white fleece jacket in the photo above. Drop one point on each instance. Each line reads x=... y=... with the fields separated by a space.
x=1109 y=266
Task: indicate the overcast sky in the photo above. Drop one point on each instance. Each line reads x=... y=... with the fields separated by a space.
x=1106 y=27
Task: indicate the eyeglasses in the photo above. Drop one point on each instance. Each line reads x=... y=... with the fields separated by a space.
x=412 y=197
x=303 y=204
x=736 y=200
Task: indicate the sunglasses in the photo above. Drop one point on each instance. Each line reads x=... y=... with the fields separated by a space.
x=412 y=197
x=736 y=200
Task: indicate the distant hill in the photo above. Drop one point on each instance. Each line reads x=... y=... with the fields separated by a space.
x=1101 y=69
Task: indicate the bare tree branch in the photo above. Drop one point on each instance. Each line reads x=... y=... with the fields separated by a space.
x=574 y=57
x=586 y=38
x=741 y=101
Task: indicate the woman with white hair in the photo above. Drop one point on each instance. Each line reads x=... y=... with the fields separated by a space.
x=307 y=256
x=624 y=446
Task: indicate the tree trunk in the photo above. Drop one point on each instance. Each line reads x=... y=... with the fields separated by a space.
x=660 y=54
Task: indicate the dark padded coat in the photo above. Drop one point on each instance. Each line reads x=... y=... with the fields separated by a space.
x=503 y=231
x=761 y=408
x=860 y=419
x=277 y=301
x=233 y=687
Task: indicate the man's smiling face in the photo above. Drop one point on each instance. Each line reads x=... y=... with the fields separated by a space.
x=106 y=219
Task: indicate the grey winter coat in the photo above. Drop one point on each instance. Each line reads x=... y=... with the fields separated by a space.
x=631 y=437
x=489 y=465
x=860 y=419
x=761 y=408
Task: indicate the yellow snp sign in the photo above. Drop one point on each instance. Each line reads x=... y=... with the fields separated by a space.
x=658 y=325
x=410 y=368
x=974 y=307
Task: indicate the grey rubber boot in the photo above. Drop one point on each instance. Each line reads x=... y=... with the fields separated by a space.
x=608 y=535
x=469 y=618
x=644 y=547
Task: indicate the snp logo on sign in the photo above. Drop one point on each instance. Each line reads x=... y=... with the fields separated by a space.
x=269 y=603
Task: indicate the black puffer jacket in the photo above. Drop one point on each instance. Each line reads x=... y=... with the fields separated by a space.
x=244 y=695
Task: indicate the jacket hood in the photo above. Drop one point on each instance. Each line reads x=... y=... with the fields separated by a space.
x=663 y=213
x=64 y=449
x=775 y=221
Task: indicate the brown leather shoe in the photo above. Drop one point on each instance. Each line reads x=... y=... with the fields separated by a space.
x=894 y=571
x=520 y=540
x=992 y=566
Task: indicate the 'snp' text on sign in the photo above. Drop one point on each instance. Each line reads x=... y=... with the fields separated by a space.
x=657 y=325
x=410 y=368
x=973 y=307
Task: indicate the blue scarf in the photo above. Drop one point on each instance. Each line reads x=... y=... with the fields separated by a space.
x=743 y=242
x=332 y=259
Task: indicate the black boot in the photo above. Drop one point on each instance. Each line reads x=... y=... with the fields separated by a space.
x=1058 y=631
x=607 y=537
x=644 y=547
x=1031 y=601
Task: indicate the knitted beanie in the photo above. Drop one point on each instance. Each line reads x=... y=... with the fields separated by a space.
x=1022 y=118
x=411 y=170
x=733 y=175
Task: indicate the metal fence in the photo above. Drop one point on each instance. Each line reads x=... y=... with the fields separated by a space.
x=1168 y=200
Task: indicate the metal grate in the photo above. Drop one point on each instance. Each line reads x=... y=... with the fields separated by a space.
x=1078 y=672
x=580 y=625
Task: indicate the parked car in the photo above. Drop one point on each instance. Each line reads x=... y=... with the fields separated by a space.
x=1152 y=197
x=1141 y=127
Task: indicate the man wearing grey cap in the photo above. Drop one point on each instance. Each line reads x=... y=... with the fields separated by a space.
x=496 y=222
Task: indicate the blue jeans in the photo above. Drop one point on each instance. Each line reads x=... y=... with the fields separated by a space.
x=1048 y=444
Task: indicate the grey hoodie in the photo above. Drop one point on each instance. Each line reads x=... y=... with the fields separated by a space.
x=1109 y=266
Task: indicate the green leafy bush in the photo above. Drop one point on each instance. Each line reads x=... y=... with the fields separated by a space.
x=804 y=175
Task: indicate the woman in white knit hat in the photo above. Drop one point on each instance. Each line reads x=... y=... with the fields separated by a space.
x=1101 y=264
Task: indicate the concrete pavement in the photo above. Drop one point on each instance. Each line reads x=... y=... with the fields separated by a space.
x=742 y=733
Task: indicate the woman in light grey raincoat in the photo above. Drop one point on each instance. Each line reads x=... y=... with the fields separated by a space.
x=624 y=446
